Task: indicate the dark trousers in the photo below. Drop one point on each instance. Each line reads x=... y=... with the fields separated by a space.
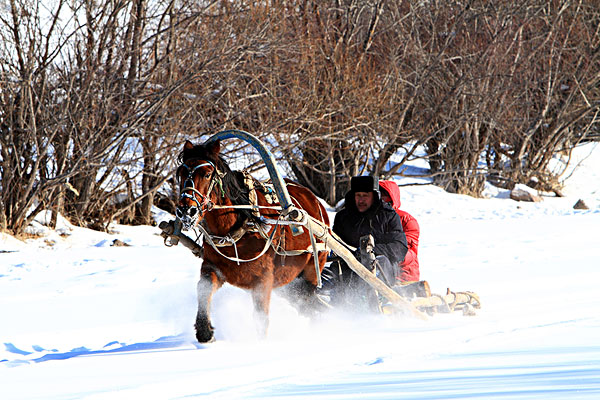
x=346 y=288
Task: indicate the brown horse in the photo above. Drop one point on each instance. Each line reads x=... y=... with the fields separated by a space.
x=244 y=246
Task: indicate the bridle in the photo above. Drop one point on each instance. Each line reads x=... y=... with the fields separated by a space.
x=189 y=218
x=189 y=191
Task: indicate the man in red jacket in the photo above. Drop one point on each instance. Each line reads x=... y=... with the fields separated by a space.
x=390 y=193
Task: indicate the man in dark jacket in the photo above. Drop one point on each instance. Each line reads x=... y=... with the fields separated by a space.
x=365 y=214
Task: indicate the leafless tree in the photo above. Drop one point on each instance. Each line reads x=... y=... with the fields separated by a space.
x=553 y=96
x=500 y=85
x=97 y=96
x=77 y=103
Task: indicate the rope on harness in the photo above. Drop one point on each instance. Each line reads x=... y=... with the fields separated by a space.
x=209 y=238
x=315 y=256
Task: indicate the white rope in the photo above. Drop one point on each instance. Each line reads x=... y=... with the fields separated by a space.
x=247 y=206
x=210 y=241
x=315 y=255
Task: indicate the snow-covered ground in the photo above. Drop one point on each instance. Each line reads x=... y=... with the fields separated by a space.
x=80 y=318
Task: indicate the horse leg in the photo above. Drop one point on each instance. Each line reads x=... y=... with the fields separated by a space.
x=301 y=294
x=261 y=298
x=210 y=281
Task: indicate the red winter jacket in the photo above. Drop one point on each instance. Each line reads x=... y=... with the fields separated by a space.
x=410 y=265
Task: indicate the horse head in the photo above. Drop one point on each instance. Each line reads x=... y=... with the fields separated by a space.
x=198 y=175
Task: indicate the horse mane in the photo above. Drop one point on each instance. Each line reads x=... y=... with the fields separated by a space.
x=233 y=181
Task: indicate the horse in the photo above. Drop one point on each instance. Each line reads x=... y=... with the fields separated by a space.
x=245 y=244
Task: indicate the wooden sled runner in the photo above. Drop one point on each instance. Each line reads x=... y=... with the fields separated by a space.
x=420 y=296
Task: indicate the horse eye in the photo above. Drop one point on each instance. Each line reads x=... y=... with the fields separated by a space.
x=207 y=176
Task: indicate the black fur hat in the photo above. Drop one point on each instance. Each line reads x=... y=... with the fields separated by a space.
x=364 y=184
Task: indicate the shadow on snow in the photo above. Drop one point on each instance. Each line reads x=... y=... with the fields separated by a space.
x=166 y=342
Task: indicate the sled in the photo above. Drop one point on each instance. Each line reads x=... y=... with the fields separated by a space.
x=299 y=220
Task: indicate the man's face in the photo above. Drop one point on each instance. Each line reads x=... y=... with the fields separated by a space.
x=363 y=200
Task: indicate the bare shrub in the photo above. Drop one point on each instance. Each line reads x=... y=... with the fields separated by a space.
x=553 y=91
x=75 y=108
x=93 y=111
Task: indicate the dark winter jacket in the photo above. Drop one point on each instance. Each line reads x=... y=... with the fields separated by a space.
x=410 y=265
x=380 y=220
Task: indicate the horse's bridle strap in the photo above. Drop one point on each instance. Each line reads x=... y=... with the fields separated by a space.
x=205 y=198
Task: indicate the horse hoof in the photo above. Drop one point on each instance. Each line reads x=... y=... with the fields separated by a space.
x=204 y=338
x=205 y=335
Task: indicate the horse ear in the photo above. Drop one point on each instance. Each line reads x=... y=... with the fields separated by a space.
x=214 y=147
x=188 y=145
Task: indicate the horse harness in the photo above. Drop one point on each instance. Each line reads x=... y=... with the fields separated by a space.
x=248 y=226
